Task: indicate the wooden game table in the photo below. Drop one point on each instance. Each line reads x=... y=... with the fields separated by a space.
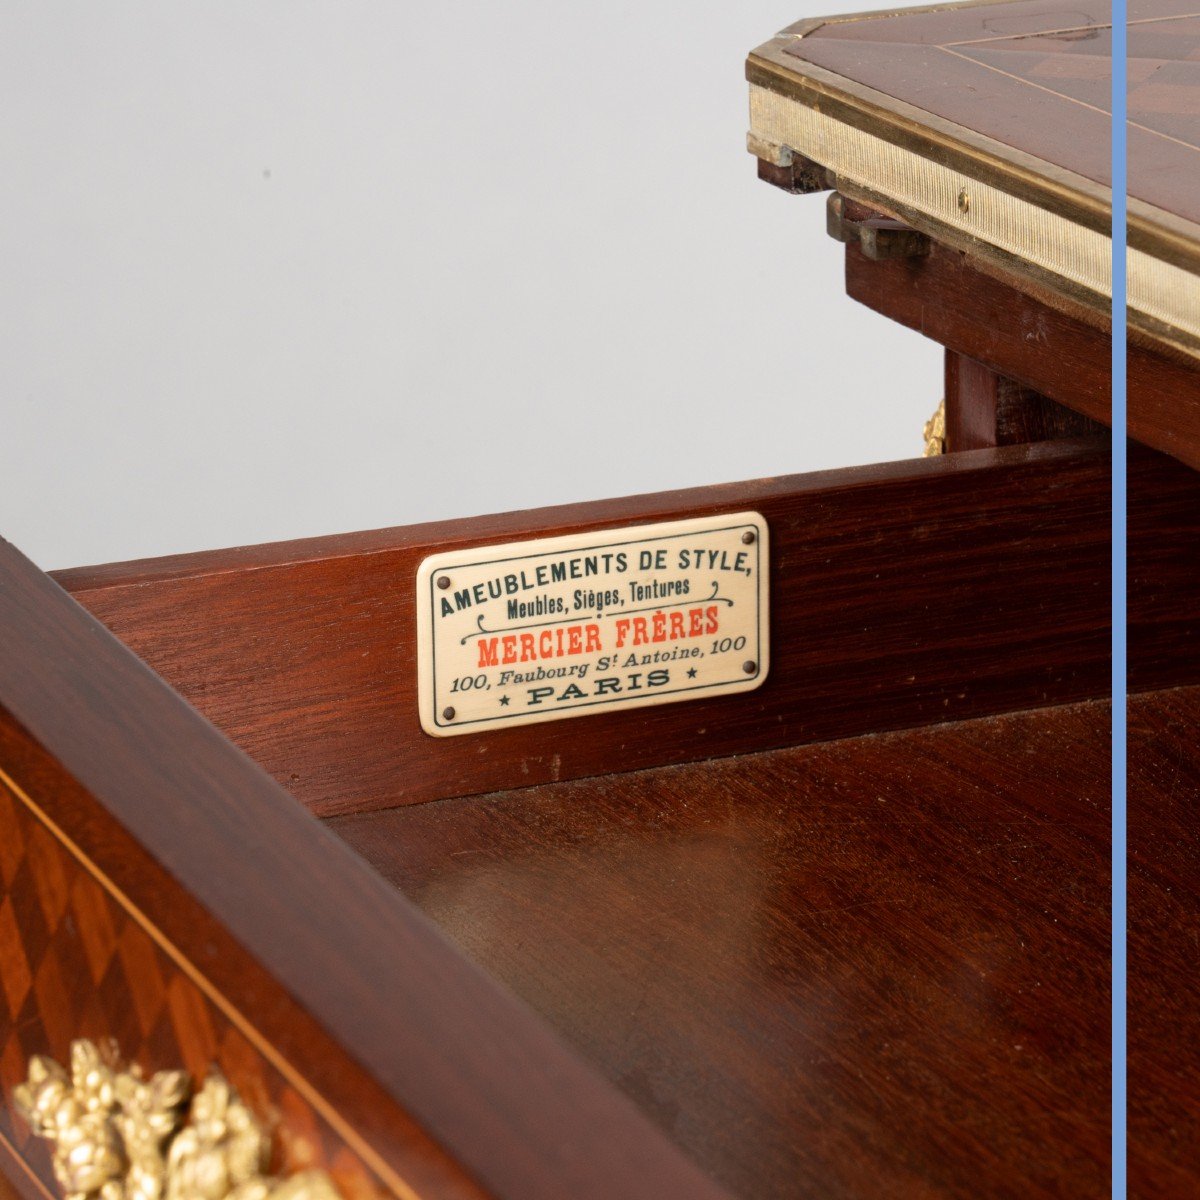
x=840 y=931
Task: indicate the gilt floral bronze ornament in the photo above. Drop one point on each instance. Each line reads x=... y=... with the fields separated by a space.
x=119 y=1136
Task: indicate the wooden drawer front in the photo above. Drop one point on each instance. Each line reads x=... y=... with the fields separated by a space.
x=78 y=961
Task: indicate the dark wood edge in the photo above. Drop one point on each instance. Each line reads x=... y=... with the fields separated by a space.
x=1028 y=336
x=431 y=537
x=984 y=408
x=292 y=927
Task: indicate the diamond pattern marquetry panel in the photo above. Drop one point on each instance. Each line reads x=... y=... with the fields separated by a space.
x=76 y=963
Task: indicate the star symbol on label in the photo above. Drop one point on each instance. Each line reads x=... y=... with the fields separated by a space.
x=503 y=701
x=691 y=672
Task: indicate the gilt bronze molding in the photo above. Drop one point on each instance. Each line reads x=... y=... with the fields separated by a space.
x=935 y=432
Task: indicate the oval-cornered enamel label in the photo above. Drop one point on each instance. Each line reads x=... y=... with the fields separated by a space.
x=591 y=622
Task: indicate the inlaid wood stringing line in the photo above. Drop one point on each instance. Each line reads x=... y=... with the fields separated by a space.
x=15 y=1154
x=1028 y=82
x=1016 y=37
x=1073 y=99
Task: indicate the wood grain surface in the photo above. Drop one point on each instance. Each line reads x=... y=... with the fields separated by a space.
x=902 y=594
x=1056 y=352
x=1164 y=955
x=876 y=967
x=983 y=408
x=426 y=1068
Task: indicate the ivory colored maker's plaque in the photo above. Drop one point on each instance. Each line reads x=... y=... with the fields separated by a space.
x=591 y=622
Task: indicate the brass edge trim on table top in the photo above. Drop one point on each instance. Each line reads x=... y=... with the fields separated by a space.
x=1163 y=295
x=370 y=1157
x=953 y=196
x=19 y=1159
x=911 y=171
x=932 y=137
x=1160 y=332
x=1161 y=234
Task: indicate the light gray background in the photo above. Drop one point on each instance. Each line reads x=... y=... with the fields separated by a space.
x=278 y=269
